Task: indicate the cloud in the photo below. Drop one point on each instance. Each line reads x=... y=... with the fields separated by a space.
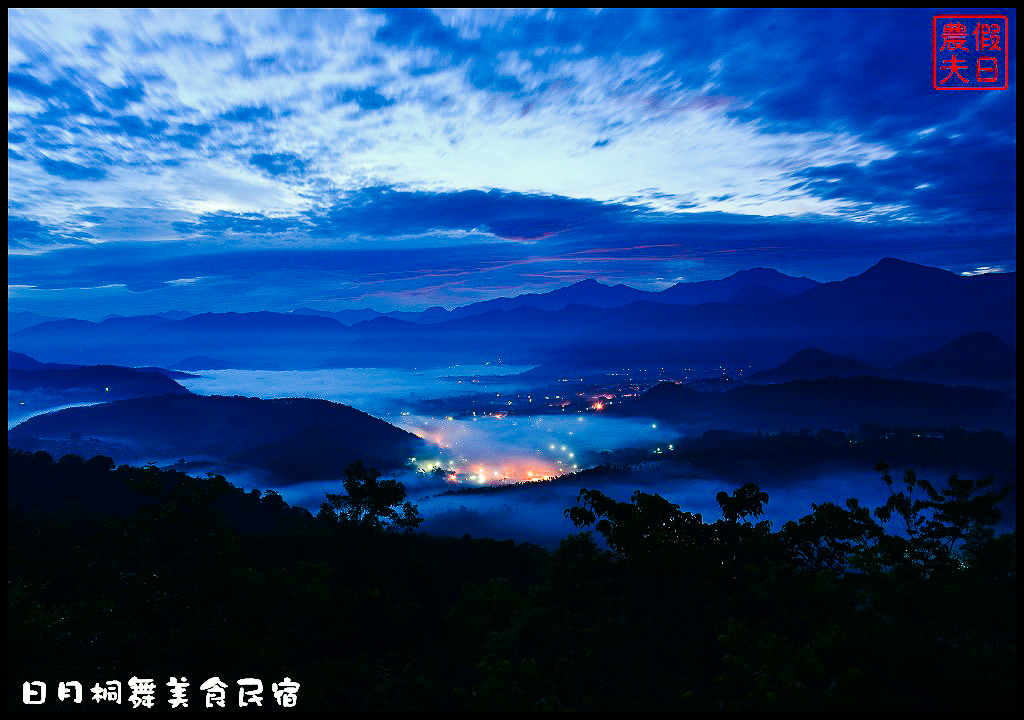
x=416 y=27
x=248 y=114
x=190 y=136
x=978 y=187
x=119 y=98
x=137 y=127
x=278 y=163
x=367 y=98
x=389 y=248
x=27 y=84
x=247 y=224
x=440 y=155
x=387 y=211
x=71 y=171
x=26 y=234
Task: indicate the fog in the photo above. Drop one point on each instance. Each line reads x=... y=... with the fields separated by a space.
x=17 y=413
x=489 y=450
x=378 y=391
x=535 y=513
x=489 y=476
x=475 y=450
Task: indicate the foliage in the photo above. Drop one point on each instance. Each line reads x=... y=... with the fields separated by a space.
x=121 y=571
x=370 y=502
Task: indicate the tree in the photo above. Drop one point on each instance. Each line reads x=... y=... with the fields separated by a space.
x=649 y=523
x=370 y=502
x=936 y=526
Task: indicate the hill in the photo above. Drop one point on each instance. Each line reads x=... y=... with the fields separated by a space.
x=813 y=364
x=93 y=383
x=840 y=403
x=979 y=359
x=278 y=436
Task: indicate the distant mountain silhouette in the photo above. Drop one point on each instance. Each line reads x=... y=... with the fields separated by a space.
x=21 y=361
x=813 y=364
x=166 y=315
x=20 y=320
x=837 y=403
x=234 y=323
x=345 y=317
x=200 y=362
x=585 y=292
x=906 y=292
x=882 y=316
x=756 y=295
x=244 y=339
x=172 y=374
x=91 y=383
x=708 y=291
x=433 y=314
x=892 y=310
x=297 y=439
x=757 y=283
x=174 y=314
x=980 y=359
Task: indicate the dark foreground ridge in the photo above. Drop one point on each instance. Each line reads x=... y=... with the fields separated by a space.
x=125 y=572
x=296 y=439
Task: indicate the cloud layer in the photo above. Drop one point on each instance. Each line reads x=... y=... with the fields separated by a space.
x=270 y=159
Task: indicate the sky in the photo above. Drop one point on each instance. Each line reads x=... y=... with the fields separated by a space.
x=231 y=160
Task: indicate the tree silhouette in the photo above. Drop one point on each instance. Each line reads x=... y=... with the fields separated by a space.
x=370 y=502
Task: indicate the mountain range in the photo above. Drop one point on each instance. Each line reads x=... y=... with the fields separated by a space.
x=754 y=318
x=834 y=403
x=980 y=359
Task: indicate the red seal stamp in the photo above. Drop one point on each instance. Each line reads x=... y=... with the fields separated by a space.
x=970 y=52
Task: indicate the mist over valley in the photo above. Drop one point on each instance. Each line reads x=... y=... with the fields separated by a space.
x=495 y=423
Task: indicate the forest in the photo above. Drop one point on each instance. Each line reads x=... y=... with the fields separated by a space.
x=138 y=572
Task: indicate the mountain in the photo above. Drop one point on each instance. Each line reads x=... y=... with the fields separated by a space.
x=201 y=362
x=175 y=314
x=46 y=387
x=89 y=343
x=433 y=314
x=837 y=403
x=980 y=359
x=585 y=292
x=882 y=316
x=172 y=374
x=20 y=320
x=755 y=286
x=345 y=317
x=21 y=361
x=891 y=311
x=518 y=336
x=812 y=364
x=756 y=295
x=243 y=339
x=709 y=291
x=905 y=296
x=296 y=439
x=249 y=323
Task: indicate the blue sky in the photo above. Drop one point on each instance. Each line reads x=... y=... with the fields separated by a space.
x=244 y=160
